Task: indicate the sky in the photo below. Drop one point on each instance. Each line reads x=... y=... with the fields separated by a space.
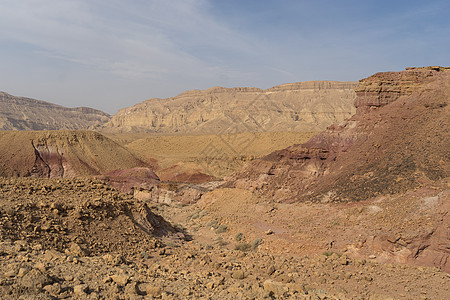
x=110 y=54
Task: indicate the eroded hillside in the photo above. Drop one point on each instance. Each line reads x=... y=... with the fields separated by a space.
x=302 y=106
x=398 y=140
x=20 y=113
x=61 y=154
x=360 y=211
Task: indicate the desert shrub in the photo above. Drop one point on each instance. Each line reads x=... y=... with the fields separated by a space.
x=238 y=237
x=213 y=223
x=221 y=229
x=196 y=214
x=243 y=247
x=256 y=243
x=248 y=246
x=329 y=253
x=220 y=242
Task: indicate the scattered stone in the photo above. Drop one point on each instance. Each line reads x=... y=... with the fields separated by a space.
x=120 y=279
x=238 y=274
x=80 y=289
x=274 y=288
x=150 y=289
x=35 y=279
x=269 y=232
x=76 y=250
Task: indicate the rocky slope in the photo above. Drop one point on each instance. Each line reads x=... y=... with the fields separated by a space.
x=398 y=140
x=19 y=113
x=61 y=154
x=302 y=106
x=79 y=239
x=393 y=154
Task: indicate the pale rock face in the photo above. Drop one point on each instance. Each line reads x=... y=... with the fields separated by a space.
x=302 y=106
x=19 y=113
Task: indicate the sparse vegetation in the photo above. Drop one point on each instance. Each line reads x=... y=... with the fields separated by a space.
x=213 y=223
x=221 y=228
x=195 y=215
x=248 y=246
x=256 y=242
x=243 y=247
x=330 y=253
x=221 y=242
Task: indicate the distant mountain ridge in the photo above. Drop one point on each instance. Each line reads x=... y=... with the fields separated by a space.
x=301 y=106
x=21 y=113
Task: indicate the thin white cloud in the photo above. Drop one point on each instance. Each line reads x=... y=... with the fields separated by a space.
x=115 y=51
x=145 y=39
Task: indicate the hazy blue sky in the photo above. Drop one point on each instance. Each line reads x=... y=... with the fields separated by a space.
x=110 y=54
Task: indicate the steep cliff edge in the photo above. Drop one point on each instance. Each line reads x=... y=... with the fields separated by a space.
x=383 y=88
x=303 y=106
x=19 y=113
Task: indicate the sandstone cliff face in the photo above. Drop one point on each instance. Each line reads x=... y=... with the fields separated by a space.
x=383 y=88
x=18 y=113
x=303 y=106
x=57 y=154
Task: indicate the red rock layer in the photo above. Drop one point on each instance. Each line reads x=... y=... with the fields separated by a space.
x=394 y=148
x=397 y=139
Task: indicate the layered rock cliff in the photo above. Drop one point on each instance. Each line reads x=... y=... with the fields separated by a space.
x=398 y=137
x=303 y=106
x=394 y=154
x=383 y=88
x=19 y=113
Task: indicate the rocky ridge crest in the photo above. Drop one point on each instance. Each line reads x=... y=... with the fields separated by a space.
x=20 y=113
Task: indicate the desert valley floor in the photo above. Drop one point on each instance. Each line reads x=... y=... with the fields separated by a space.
x=187 y=198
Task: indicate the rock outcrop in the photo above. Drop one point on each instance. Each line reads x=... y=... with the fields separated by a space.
x=398 y=139
x=383 y=88
x=302 y=106
x=393 y=151
x=58 y=154
x=19 y=113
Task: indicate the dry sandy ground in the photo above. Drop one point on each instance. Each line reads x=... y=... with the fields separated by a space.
x=216 y=155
